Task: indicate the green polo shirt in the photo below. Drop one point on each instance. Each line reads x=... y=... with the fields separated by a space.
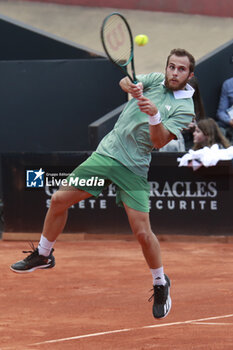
x=129 y=142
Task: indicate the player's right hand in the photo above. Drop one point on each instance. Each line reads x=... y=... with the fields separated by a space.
x=147 y=106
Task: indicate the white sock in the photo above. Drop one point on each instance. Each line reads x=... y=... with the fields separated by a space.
x=158 y=276
x=45 y=246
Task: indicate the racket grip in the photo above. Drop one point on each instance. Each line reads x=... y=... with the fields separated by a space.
x=141 y=95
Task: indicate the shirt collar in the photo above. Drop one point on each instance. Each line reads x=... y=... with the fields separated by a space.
x=186 y=93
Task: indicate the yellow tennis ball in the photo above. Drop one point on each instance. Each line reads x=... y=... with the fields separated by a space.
x=141 y=39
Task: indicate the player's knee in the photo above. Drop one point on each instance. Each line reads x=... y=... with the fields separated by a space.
x=57 y=202
x=143 y=237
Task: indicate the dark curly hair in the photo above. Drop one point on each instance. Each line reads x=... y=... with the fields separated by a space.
x=182 y=53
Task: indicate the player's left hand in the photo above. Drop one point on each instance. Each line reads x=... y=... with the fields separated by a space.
x=147 y=106
x=136 y=90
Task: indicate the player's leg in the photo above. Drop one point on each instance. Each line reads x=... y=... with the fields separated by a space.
x=140 y=225
x=57 y=213
x=55 y=220
x=42 y=257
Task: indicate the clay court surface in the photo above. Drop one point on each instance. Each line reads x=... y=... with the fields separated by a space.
x=96 y=298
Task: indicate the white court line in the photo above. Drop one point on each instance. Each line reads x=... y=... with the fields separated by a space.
x=213 y=323
x=131 y=329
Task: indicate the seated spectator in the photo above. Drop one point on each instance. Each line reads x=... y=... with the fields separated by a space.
x=225 y=109
x=207 y=133
x=210 y=146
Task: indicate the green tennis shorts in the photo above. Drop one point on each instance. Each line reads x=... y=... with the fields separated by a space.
x=98 y=171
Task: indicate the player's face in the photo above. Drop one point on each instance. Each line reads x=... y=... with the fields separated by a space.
x=177 y=72
x=198 y=136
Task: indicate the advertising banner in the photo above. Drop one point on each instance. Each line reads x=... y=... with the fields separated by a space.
x=182 y=201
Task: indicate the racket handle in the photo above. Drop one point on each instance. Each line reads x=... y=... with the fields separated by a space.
x=141 y=95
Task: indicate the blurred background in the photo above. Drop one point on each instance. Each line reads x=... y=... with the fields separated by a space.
x=60 y=96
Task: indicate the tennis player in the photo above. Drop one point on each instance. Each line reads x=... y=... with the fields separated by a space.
x=160 y=108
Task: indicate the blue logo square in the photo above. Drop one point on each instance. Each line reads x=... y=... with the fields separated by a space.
x=35 y=178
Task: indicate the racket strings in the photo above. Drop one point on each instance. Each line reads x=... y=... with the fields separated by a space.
x=117 y=40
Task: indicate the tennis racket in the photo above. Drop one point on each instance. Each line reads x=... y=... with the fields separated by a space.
x=117 y=40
